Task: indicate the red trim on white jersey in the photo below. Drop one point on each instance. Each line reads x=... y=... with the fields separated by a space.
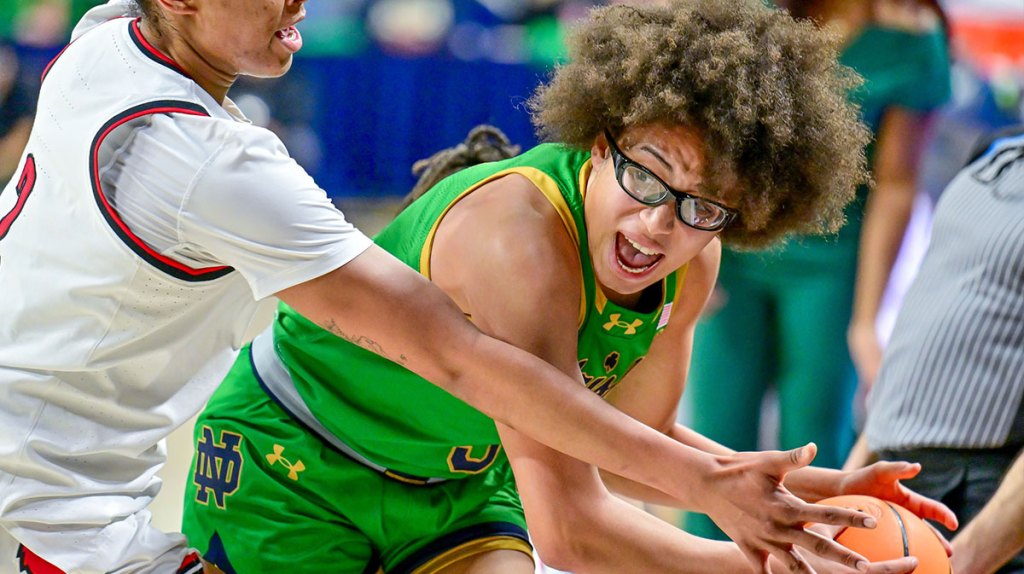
x=150 y=51
x=26 y=183
x=162 y=262
x=30 y=563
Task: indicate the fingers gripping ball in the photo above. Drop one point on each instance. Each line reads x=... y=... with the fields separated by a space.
x=899 y=533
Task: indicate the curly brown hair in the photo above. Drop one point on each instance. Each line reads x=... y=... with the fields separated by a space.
x=766 y=91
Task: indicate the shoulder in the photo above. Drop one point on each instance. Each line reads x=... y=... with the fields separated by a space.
x=210 y=135
x=102 y=14
x=230 y=153
x=235 y=136
x=506 y=228
x=507 y=219
x=702 y=271
x=202 y=152
x=698 y=283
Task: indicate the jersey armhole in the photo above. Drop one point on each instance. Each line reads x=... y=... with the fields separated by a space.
x=549 y=188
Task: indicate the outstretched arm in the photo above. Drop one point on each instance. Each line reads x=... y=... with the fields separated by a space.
x=886 y=217
x=577 y=525
x=381 y=304
x=480 y=257
x=652 y=390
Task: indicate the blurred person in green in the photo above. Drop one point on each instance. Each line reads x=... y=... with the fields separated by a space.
x=793 y=318
x=9 y=10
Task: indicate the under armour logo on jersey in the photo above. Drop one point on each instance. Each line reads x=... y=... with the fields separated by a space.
x=615 y=321
x=218 y=466
x=293 y=469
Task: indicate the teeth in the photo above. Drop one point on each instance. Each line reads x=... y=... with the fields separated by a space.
x=641 y=248
x=633 y=270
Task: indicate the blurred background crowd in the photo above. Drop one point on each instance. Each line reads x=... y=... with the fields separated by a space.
x=380 y=84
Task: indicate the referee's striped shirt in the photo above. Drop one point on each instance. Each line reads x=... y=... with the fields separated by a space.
x=953 y=374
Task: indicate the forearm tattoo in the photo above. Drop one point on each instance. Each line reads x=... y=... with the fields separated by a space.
x=364 y=342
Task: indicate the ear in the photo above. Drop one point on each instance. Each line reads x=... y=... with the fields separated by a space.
x=599 y=151
x=180 y=7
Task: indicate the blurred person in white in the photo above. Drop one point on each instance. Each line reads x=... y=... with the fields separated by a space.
x=145 y=225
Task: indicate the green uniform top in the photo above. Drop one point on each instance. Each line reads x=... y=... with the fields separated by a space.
x=900 y=68
x=399 y=420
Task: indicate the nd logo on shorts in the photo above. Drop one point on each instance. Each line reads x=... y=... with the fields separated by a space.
x=218 y=466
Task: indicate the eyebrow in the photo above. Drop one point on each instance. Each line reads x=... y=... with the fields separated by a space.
x=659 y=157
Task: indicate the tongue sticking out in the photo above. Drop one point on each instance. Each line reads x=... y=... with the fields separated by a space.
x=631 y=257
x=291 y=38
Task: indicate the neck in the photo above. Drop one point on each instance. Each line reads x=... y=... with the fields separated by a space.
x=193 y=63
x=642 y=302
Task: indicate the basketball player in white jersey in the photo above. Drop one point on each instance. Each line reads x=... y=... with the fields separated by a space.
x=147 y=222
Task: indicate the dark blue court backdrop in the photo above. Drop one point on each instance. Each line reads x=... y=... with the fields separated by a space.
x=376 y=115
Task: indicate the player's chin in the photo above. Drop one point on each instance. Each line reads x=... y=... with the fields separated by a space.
x=271 y=69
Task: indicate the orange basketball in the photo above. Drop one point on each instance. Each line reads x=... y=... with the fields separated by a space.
x=899 y=533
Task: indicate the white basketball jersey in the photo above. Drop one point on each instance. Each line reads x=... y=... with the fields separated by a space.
x=107 y=343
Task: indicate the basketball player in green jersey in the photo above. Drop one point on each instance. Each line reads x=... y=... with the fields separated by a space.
x=678 y=126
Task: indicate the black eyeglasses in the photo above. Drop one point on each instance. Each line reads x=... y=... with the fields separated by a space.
x=642 y=185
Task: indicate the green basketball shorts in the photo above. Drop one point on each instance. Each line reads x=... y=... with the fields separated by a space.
x=266 y=494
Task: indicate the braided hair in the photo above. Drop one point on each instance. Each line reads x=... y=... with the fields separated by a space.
x=484 y=144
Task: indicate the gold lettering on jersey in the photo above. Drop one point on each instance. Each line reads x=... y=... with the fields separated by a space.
x=599 y=384
x=461 y=459
x=615 y=320
x=611 y=361
x=293 y=468
x=583 y=370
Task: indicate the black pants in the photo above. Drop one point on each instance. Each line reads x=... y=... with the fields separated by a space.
x=963 y=479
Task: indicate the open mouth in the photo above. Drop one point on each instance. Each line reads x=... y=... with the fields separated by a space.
x=290 y=37
x=634 y=258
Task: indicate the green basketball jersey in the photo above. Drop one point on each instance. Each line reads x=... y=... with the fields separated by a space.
x=404 y=423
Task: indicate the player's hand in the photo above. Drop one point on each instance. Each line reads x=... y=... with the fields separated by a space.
x=900 y=566
x=942 y=538
x=882 y=480
x=746 y=499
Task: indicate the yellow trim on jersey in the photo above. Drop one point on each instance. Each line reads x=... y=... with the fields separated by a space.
x=548 y=187
x=405 y=479
x=473 y=548
x=600 y=299
x=588 y=166
x=680 y=281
